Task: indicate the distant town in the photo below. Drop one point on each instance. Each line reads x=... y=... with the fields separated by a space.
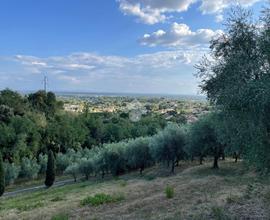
x=184 y=108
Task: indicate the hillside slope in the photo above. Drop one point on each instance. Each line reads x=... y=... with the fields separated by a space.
x=199 y=193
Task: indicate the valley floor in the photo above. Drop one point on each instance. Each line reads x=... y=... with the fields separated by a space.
x=200 y=193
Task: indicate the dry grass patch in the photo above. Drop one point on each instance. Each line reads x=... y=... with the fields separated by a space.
x=199 y=193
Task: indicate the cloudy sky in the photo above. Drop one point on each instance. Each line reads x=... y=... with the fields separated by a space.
x=135 y=46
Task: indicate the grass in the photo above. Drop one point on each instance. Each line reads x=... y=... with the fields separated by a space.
x=57 y=198
x=219 y=213
x=101 y=198
x=123 y=183
x=202 y=193
x=169 y=191
x=233 y=199
x=60 y=216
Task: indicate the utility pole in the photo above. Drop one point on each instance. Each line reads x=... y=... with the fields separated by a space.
x=45 y=83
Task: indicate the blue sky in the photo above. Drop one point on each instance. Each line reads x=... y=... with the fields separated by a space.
x=137 y=46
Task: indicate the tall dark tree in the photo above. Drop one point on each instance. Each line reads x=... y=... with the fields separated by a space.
x=2 y=176
x=50 y=172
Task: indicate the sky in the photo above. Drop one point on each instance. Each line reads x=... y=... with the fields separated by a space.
x=119 y=46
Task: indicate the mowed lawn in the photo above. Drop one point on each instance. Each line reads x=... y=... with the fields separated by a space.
x=231 y=192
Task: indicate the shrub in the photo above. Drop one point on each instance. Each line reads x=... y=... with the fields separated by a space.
x=29 y=168
x=50 y=172
x=100 y=199
x=2 y=176
x=169 y=191
x=73 y=170
x=11 y=172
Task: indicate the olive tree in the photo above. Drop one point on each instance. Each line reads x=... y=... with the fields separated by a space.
x=29 y=168
x=11 y=172
x=168 y=145
x=73 y=170
x=138 y=154
x=86 y=167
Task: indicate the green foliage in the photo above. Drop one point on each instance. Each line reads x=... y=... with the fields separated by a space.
x=86 y=167
x=150 y=177
x=168 y=145
x=6 y=113
x=237 y=81
x=50 y=172
x=60 y=216
x=219 y=213
x=42 y=161
x=11 y=172
x=138 y=154
x=62 y=162
x=66 y=131
x=114 y=157
x=73 y=170
x=57 y=199
x=169 y=191
x=29 y=168
x=13 y=100
x=44 y=102
x=31 y=124
x=203 y=138
x=101 y=198
x=2 y=176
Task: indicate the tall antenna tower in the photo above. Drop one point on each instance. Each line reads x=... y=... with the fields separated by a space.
x=45 y=83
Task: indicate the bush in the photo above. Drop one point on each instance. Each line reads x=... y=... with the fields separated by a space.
x=73 y=170
x=50 y=172
x=169 y=191
x=29 y=168
x=100 y=199
x=11 y=172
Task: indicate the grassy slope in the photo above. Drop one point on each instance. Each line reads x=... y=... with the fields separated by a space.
x=200 y=193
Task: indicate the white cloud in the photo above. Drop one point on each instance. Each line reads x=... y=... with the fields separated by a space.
x=155 y=11
x=159 y=72
x=180 y=35
x=217 y=6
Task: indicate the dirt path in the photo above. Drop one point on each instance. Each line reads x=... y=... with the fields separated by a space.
x=36 y=188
